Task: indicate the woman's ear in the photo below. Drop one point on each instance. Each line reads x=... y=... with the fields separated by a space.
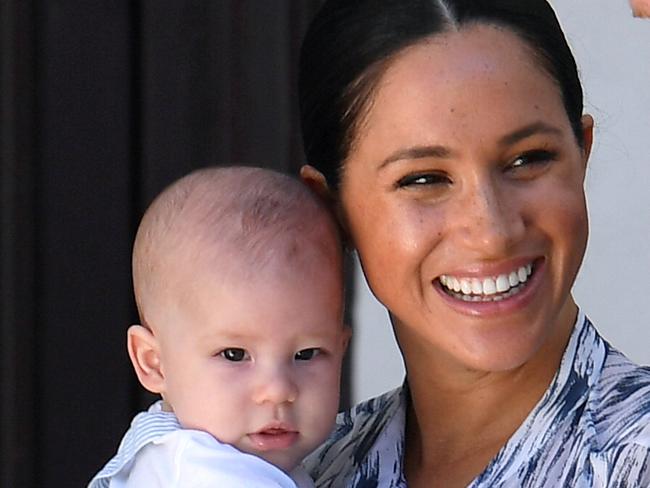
x=587 y=136
x=144 y=352
x=315 y=180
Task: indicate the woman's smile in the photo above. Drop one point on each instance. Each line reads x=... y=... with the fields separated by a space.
x=495 y=293
x=487 y=289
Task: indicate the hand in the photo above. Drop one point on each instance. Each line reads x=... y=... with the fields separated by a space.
x=640 y=8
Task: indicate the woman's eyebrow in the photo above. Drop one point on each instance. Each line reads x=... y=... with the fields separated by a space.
x=529 y=130
x=441 y=152
x=416 y=152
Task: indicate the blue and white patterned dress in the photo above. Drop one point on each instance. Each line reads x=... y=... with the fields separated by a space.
x=591 y=429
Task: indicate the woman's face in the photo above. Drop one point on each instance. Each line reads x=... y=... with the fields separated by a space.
x=463 y=194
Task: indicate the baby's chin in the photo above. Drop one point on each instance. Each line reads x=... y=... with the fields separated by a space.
x=285 y=450
x=286 y=461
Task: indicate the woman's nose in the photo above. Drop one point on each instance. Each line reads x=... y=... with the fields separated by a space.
x=276 y=387
x=491 y=219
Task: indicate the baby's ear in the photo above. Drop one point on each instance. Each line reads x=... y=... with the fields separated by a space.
x=144 y=352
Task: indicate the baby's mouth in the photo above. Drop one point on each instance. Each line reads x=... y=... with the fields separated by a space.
x=489 y=288
x=273 y=431
x=271 y=438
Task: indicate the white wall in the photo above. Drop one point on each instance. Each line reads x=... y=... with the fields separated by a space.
x=613 y=53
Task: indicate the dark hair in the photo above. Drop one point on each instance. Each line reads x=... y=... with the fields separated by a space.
x=350 y=43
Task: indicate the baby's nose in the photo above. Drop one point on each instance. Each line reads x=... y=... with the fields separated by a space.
x=277 y=387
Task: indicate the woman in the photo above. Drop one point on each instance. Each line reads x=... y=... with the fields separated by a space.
x=450 y=137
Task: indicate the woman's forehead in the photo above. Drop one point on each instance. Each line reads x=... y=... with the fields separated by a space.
x=477 y=52
x=480 y=73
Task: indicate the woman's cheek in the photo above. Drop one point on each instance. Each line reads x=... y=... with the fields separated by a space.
x=560 y=212
x=398 y=247
x=576 y=221
x=567 y=203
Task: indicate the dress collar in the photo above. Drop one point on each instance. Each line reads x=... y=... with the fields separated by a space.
x=579 y=370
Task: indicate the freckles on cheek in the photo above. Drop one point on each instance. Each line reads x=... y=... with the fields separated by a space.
x=422 y=232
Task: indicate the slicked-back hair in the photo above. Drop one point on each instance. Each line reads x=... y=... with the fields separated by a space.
x=350 y=43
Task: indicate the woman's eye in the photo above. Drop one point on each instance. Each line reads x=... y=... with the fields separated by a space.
x=532 y=158
x=234 y=354
x=423 y=179
x=307 y=354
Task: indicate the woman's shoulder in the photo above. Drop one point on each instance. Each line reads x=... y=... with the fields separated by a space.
x=609 y=392
x=620 y=403
x=355 y=440
x=620 y=408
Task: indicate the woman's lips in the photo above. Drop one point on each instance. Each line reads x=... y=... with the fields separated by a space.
x=487 y=288
x=503 y=299
x=273 y=438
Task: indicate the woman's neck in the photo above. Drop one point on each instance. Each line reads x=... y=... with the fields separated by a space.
x=458 y=420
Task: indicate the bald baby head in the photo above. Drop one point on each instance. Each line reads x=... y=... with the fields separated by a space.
x=229 y=223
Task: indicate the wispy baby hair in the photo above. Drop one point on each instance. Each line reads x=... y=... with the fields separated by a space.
x=241 y=218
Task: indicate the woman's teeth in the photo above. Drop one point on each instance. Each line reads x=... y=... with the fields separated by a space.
x=487 y=289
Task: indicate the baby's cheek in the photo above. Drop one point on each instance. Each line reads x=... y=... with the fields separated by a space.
x=224 y=406
x=322 y=399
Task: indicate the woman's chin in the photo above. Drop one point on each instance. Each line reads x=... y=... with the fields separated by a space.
x=500 y=358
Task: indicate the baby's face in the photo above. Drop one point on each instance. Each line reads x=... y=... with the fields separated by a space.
x=258 y=364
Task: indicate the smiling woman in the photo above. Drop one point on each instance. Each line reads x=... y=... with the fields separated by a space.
x=489 y=200
x=451 y=138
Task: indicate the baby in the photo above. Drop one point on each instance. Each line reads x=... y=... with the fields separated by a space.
x=238 y=280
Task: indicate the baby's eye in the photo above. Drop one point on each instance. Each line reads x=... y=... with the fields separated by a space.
x=307 y=354
x=422 y=179
x=234 y=354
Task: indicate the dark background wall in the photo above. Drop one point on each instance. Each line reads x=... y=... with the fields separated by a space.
x=103 y=104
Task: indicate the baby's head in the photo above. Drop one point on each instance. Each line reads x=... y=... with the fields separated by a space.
x=238 y=279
